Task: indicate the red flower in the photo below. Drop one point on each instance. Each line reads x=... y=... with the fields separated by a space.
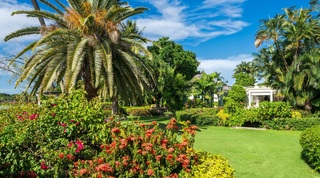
x=149 y=132
x=44 y=165
x=169 y=157
x=100 y=160
x=115 y=130
x=63 y=125
x=53 y=105
x=33 y=116
x=53 y=114
x=71 y=120
x=83 y=171
x=77 y=123
x=150 y=172
x=170 y=150
x=104 y=168
x=61 y=155
x=70 y=144
x=70 y=157
x=159 y=157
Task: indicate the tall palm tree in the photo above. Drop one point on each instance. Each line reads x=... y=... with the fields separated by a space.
x=85 y=43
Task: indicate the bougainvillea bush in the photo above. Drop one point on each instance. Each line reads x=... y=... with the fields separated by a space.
x=71 y=137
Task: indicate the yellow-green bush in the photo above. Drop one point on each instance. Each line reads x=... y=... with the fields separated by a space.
x=210 y=166
x=223 y=116
x=296 y=114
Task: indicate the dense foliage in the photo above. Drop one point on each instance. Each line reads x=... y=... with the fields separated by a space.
x=310 y=141
x=200 y=116
x=173 y=68
x=290 y=62
x=235 y=99
x=205 y=87
x=72 y=137
x=291 y=123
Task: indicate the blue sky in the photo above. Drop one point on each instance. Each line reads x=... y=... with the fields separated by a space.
x=220 y=32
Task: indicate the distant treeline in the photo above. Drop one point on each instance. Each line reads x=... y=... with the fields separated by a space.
x=4 y=97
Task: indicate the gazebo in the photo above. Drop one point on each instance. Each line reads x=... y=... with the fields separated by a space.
x=257 y=94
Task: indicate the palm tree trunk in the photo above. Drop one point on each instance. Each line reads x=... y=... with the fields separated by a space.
x=115 y=105
x=92 y=92
x=37 y=8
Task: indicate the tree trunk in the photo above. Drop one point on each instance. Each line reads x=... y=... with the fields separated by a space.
x=308 y=106
x=37 y=8
x=115 y=105
x=92 y=92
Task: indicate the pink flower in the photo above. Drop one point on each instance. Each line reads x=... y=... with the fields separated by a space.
x=71 y=120
x=63 y=125
x=33 y=116
x=170 y=150
x=53 y=114
x=44 y=165
x=80 y=145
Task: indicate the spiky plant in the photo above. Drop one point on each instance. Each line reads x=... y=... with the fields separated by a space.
x=85 y=42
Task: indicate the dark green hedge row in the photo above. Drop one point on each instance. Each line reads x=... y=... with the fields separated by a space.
x=291 y=123
x=199 y=116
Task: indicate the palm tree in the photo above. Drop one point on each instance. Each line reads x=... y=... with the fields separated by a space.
x=37 y=8
x=85 y=43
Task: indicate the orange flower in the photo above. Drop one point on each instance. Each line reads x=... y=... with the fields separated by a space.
x=61 y=155
x=150 y=172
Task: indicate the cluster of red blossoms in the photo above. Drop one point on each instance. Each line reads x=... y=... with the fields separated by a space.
x=25 y=115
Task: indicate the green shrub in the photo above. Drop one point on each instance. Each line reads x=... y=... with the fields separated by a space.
x=210 y=166
x=291 y=123
x=35 y=135
x=199 y=116
x=310 y=143
x=71 y=137
x=270 y=110
x=243 y=116
x=138 y=111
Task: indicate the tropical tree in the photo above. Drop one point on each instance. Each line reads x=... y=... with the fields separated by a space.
x=173 y=69
x=286 y=63
x=85 y=43
x=244 y=73
x=182 y=61
x=207 y=86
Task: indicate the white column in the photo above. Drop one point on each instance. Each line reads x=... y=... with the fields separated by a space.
x=271 y=96
x=249 y=100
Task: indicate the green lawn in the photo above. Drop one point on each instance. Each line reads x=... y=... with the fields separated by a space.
x=256 y=153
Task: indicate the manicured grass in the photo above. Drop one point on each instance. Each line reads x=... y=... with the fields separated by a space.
x=257 y=153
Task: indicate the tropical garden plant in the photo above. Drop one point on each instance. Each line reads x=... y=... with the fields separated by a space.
x=88 y=41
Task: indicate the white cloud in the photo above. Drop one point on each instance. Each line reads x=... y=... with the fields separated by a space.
x=223 y=66
x=177 y=20
x=10 y=24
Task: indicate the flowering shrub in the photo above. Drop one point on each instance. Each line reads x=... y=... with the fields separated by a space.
x=71 y=137
x=142 y=150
